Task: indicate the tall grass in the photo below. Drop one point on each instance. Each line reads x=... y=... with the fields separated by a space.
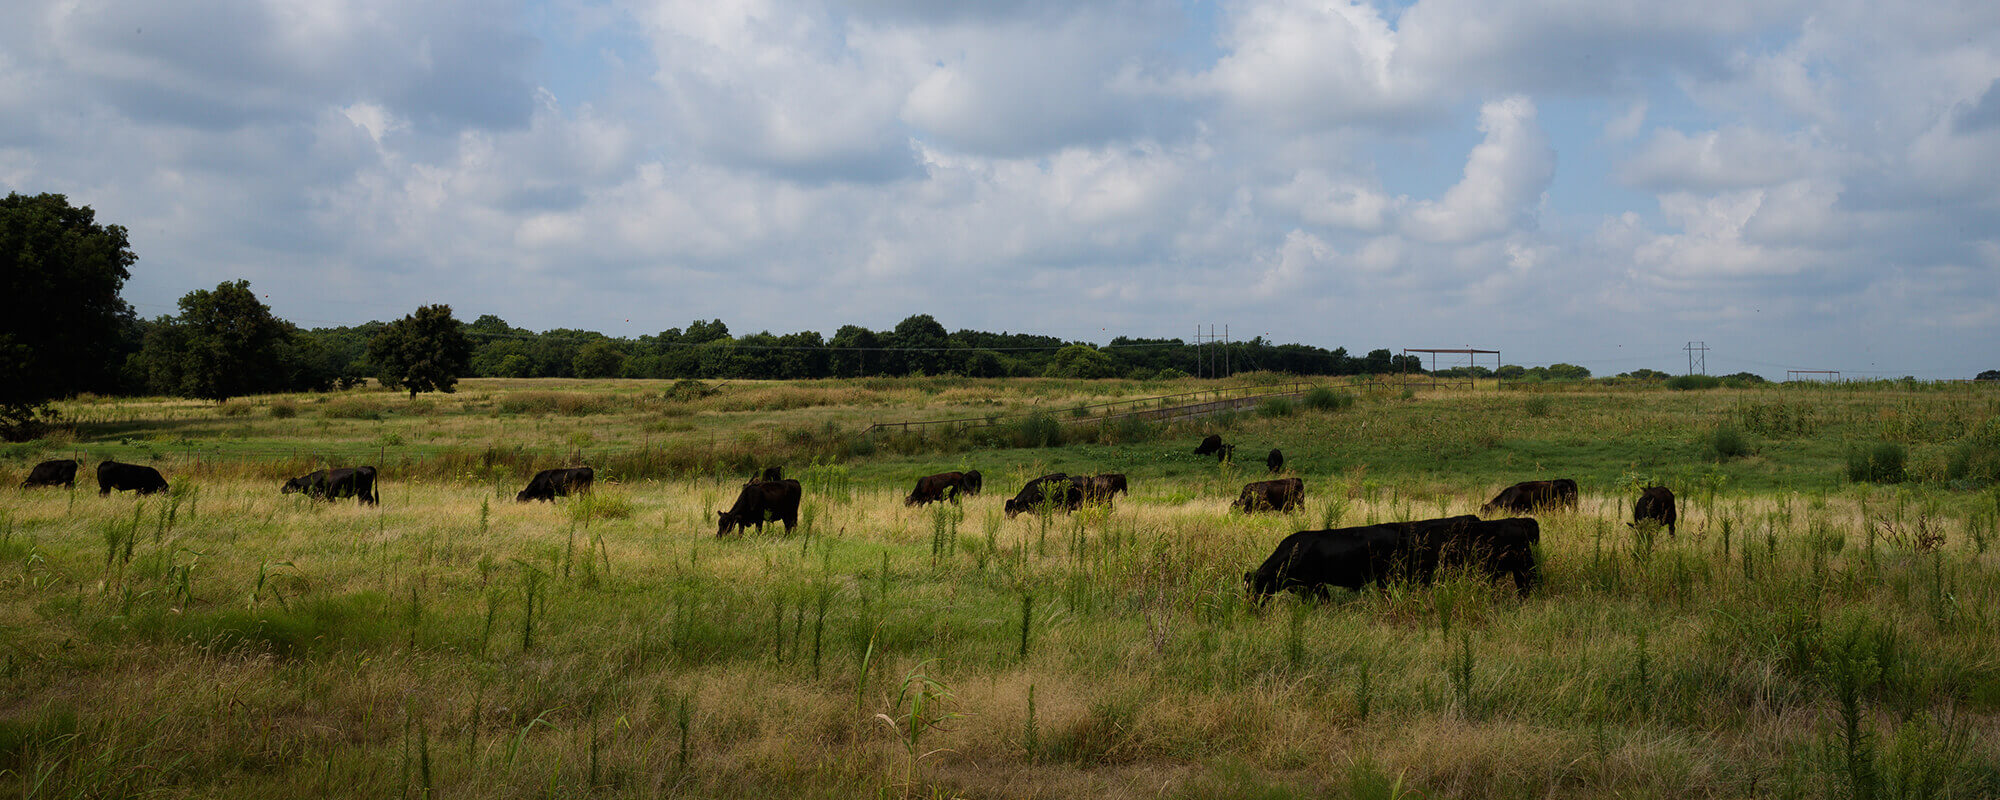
x=1827 y=640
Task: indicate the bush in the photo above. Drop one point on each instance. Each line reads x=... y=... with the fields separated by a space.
x=234 y=408
x=1537 y=405
x=1977 y=456
x=1320 y=398
x=284 y=408
x=1038 y=430
x=687 y=389
x=351 y=408
x=1169 y=374
x=1880 y=463
x=1727 y=442
x=1277 y=407
x=1684 y=383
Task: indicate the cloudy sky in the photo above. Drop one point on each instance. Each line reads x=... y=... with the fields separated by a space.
x=1800 y=185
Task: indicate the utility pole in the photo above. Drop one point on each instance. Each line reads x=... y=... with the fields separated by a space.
x=1697 y=358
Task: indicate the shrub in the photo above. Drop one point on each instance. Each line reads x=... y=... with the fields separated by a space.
x=1727 y=442
x=1977 y=456
x=1880 y=463
x=1684 y=383
x=1277 y=407
x=687 y=389
x=1169 y=374
x=1537 y=405
x=568 y=404
x=284 y=408
x=1320 y=398
x=234 y=408
x=351 y=408
x=1037 y=430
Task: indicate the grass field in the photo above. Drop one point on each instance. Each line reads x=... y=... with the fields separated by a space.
x=1803 y=636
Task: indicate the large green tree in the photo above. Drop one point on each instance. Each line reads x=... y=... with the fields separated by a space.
x=62 y=323
x=426 y=351
x=599 y=359
x=1081 y=361
x=919 y=342
x=224 y=344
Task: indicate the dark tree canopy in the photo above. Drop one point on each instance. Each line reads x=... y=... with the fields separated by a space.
x=426 y=351
x=224 y=344
x=1081 y=361
x=62 y=323
x=1989 y=375
x=599 y=359
x=917 y=339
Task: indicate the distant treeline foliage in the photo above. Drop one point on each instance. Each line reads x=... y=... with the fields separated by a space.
x=918 y=345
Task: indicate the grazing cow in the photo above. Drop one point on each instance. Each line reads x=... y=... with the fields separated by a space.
x=1309 y=561
x=1656 y=503
x=128 y=477
x=972 y=483
x=761 y=501
x=53 y=473
x=333 y=484
x=1213 y=446
x=550 y=484
x=1283 y=494
x=1062 y=492
x=1528 y=497
x=1503 y=547
x=1275 y=462
x=1099 y=488
x=932 y=488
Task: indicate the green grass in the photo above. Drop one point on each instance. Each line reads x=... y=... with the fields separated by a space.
x=1801 y=636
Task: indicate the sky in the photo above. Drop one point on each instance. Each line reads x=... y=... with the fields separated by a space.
x=1798 y=185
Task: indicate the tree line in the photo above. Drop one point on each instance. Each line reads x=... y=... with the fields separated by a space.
x=65 y=330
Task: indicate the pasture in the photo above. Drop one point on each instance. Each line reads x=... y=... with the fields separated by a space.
x=1803 y=635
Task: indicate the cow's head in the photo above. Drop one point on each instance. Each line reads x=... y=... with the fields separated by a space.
x=293 y=486
x=1259 y=587
x=523 y=496
x=1014 y=508
x=726 y=522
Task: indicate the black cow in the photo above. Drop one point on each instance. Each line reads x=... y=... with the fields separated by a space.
x=1283 y=494
x=550 y=484
x=1503 y=547
x=1309 y=561
x=933 y=488
x=1099 y=488
x=1656 y=503
x=53 y=473
x=972 y=483
x=1275 y=462
x=1213 y=446
x=761 y=501
x=333 y=484
x=1063 y=492
x=1528 y=497
x=128 y=477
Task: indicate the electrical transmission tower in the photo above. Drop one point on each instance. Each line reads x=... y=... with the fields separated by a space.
x=1212 y=352
x=1697 y=358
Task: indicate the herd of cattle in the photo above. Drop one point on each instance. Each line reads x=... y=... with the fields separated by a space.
x=1306 y=561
